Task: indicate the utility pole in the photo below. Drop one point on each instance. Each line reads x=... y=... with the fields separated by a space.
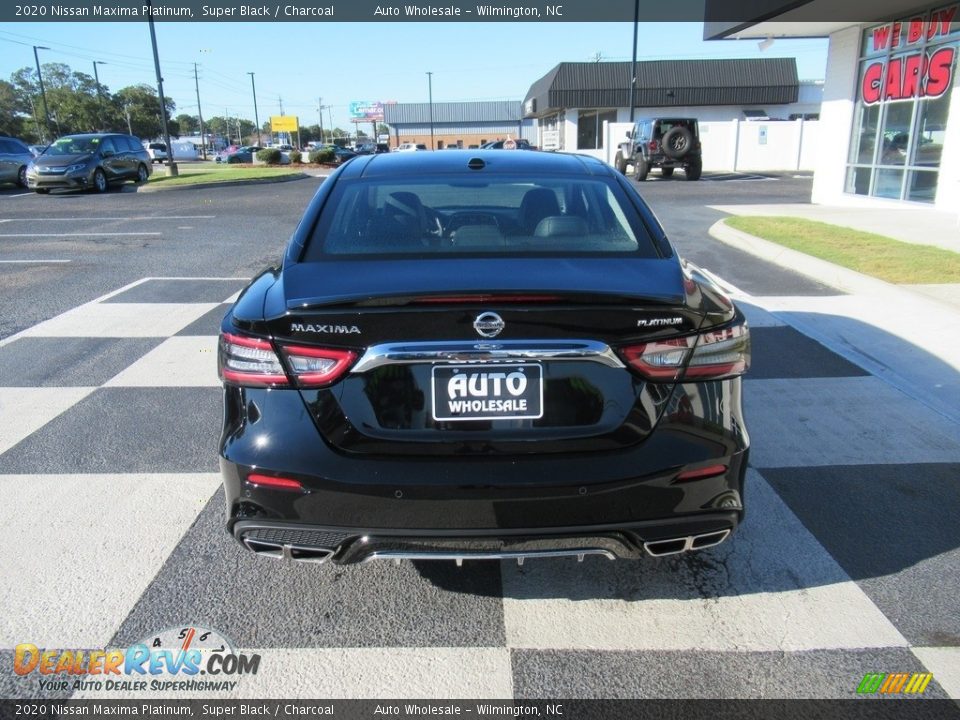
x=171 y=165
x=330 y=118
x=282 y=135
x=203 y=137
x=633 y=69
x=430 y=86
x=96 y=78
x=256 y=115
x=43 y=93
x=126 y=110
x=320 y=115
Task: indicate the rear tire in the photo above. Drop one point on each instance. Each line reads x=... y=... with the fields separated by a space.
x=42 y=191
x=694 y=170
x=99 y=181
x=620 y=164
x=666 y=172
x=641 y=168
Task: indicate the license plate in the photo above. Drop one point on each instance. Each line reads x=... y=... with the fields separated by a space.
x=487 y=392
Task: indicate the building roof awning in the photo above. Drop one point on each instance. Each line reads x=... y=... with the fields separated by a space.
x=736 y=19
x=497 y=111
x=664 y=83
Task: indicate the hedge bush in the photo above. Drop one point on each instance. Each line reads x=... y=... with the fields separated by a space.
x=271 y=156
x=321 y=156
x=234 y=159
x=296 y=157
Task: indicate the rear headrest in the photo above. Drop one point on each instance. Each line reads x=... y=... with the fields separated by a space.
x=535 y=206
x=561 y=226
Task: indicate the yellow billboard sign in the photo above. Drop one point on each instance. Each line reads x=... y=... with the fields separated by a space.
x=284 y=123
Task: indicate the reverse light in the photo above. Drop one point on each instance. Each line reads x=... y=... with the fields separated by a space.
x=250 y=361
x=316 y=367
x=721 y=353
x=711 y=355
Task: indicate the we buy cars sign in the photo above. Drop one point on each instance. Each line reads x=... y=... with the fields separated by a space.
x=923 y=74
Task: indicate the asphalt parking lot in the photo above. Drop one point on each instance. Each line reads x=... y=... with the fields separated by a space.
x=109 y=415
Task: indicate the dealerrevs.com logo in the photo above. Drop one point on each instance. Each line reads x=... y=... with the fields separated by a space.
x=187 y=659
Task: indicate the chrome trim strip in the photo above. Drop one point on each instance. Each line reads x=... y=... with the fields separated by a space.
x=484 y=351
x=459 y=557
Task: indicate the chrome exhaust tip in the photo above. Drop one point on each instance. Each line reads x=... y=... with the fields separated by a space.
x=675 y=546
x=286 y=551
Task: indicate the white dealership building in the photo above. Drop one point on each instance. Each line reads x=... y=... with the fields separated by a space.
x=890 y=118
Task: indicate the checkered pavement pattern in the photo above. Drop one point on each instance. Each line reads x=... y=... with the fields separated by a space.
x=112 y=526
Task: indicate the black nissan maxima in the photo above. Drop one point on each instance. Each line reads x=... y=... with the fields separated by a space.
x=477 y=355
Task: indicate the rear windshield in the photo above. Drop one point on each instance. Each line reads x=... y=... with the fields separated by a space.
x=504 y=215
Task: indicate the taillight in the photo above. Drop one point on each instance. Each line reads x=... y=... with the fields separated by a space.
x=316 y=367
x=252 y=362
x=720 y=353
x=652 y=145
x=711 y=355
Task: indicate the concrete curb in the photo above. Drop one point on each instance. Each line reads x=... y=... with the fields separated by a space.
x=849 y=281
x=226 y=183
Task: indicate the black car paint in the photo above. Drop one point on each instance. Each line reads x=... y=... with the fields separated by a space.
x=375 y=471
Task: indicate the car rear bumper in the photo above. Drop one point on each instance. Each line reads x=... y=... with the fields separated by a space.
x=608 y=501
x=316 y=544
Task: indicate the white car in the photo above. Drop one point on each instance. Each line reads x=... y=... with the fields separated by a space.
x=157 y=151
x=410 y=147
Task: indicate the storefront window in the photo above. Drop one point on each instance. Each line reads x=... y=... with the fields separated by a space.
x=865 y=134
x=590 y=128
x=907 y=74
x=931 y=128
x=896 y=133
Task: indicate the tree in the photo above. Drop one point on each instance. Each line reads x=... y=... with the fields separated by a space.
x=140 y=109
x=12 y=113
x=189 y=124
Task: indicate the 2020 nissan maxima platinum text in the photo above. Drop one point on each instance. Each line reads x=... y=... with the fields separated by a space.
x=481 y=354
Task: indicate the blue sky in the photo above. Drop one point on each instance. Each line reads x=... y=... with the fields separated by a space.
x=343 y=62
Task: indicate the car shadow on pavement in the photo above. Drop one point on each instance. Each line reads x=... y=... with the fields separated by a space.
x=850 y=478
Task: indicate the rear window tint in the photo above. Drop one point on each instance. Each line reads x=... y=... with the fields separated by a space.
x=498 y=215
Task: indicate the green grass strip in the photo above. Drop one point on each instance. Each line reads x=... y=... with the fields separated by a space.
x=876 y=255
x=211 y=173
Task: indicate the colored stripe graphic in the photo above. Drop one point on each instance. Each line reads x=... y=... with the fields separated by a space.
x=894 y=683
x=871 y=683
x=918 y=683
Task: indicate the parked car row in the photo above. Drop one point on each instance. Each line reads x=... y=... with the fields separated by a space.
x=15 y=155
x=85 y=161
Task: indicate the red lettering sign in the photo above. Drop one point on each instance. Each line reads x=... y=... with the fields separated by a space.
x=881 y=36
x=939 y=72
x=870 y=90
x=912 y=76
x=914 y=30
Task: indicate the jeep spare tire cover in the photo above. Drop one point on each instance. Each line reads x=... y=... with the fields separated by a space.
x=677 y=142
